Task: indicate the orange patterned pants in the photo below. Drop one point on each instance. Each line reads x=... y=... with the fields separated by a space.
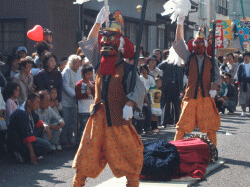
x=201 y=112
x=119 y=146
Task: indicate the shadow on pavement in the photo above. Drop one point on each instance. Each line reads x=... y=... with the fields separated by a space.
x=28 y=175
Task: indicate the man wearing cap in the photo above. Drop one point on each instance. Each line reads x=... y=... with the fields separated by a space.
x=109 y=136
x=22 y=52
x=198 y=106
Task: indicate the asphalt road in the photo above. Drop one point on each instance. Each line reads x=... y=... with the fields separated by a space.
x=55 y=169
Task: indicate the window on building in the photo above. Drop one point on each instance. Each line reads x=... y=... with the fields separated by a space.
x=12 y=34
x=132 y=29
x=222 y=7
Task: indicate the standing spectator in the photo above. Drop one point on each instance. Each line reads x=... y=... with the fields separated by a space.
x=24 y=79
x=224 y=67
x=153 y=70
x=49 y=76
x=149 y=83
x=62 y=63
x=156 y=106
x=244 y=83
x=21 y=141
x=13 y=63
x=53 y=120
x=158 y=54
x=70 y=76
x=11 y=93
x=42 y=49
x=85 y=93
x=165 y=54
x=22 y=52
x=172 y=86
x=231 y=97
x=232 y=66
x=2 y=129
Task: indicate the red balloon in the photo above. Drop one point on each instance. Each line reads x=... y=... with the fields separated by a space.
x=36 y=33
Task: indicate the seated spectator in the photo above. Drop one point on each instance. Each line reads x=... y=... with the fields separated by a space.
x=24 y=80
x=49 y=76
x=62 y=63
x=21 y=139
x=11 y=93
x=13 y=66
x=53 y=120
x=2 y=128
x=54 y=103
x=70 y=76
x=231 y=97
x=219 y=98
x=153 y=70
x=22 y=52
x=85 y=93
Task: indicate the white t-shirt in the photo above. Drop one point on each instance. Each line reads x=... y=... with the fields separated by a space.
x=247 y=68
x=150 y=82
x=84 y=104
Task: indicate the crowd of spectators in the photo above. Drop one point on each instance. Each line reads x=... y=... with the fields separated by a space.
x=45 y=102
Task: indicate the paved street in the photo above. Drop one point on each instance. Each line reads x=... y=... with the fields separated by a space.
x=55 y=169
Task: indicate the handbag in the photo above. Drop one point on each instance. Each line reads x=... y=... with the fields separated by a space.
x=2 y=124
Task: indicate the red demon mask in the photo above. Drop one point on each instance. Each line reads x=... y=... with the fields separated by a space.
x=199 y=46
x=109 y=43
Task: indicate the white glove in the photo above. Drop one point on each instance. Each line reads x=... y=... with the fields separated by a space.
x=103 y=15
x=212 y=93
x=180 y=19
x=127 y=112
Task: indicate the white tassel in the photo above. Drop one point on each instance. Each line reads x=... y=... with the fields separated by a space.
x=176 y=7
x=174 y=58
x=122 y=43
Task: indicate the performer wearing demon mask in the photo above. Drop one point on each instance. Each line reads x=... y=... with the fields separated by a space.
x=109 y=136
x=198 y=106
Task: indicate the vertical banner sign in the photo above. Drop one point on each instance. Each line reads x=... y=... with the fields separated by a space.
x=227 y=31
x=219 y=36
x=243 y=28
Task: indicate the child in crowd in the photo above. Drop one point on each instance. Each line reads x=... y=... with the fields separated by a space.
x=156 y=106
x=153 y=70
x=54 y=103
x=11 y=93
x=149 y=83
x=62 y=63
x=219 y=98
x=85 y=92
x=47 y=39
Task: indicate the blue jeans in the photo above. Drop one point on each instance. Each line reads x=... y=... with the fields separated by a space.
x=230 y=105
x=55 y=135
x=41 y=146
x=69 y=115
x=83 y=119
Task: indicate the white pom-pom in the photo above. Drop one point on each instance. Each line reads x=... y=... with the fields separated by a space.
x=176 y=7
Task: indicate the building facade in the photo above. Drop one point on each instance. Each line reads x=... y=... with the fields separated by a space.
x=70 y=22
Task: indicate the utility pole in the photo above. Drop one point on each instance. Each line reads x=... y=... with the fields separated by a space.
x=242 y=8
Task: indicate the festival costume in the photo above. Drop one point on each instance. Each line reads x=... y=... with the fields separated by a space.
x=198 y=108
x=108 y=138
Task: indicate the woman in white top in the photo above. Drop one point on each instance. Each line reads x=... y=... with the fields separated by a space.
x=70 y=76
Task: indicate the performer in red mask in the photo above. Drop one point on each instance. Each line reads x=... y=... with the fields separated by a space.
x=198 y=106
x=109 y=136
